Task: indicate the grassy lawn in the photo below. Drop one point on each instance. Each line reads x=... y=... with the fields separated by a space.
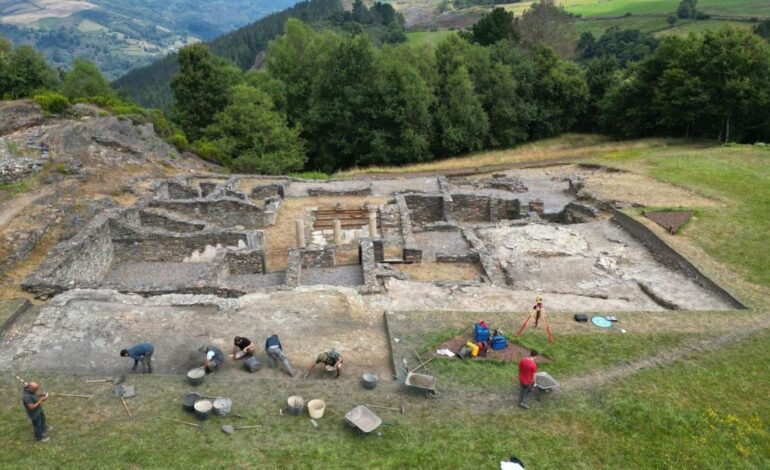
x=568 y=355
x=707 y=413
x=737 y=174
x=592 y=8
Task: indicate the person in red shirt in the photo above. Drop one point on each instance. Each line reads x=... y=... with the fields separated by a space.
x=527 y=369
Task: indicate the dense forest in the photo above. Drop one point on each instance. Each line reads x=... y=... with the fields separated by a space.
x=350 y=93
x=149 y=86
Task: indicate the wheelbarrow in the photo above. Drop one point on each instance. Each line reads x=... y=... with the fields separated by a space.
x=544 y=384
x=422 y=382
x=363 y=419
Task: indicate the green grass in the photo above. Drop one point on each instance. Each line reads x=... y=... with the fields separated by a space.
x=18 y=187
x=738 y=174
x=430 y=38
x=707 y=413
x=311 y=175
x=568 y=355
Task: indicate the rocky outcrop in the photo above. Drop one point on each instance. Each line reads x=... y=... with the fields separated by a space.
x=16 y=115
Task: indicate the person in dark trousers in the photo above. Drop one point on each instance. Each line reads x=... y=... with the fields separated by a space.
x=527 y=370
x=275 y=353
x=243 y=347
x=141 y=352
x=33 y=405
x=214 y=358
x=332 y=360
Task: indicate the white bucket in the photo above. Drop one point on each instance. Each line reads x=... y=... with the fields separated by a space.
x=315 y=408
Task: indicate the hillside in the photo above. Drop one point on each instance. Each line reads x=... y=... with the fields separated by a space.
x=429 y=17
x=122 y=34
x=148 y=85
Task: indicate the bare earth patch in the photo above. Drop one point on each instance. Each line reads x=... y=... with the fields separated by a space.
x=45 y=9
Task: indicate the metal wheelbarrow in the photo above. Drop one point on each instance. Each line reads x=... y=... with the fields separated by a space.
x=544 y=383
x=422 y=382
x=363 y=419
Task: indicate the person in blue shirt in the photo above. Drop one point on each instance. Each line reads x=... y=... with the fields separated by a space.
x=214 y=358
x=33 y=405
x=275 y=353
x=141 y=352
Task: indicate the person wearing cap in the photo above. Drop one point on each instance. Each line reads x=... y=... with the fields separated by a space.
x=275 y=353
x=214 y=358
x=332 y=360
x=33 y=405
x=527 y=370
x=242 y=347
x=538 y=308
x=141 y=352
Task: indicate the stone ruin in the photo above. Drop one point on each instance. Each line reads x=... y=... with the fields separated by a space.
x=226 y=236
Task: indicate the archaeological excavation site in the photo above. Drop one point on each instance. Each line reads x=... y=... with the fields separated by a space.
x=211 y=257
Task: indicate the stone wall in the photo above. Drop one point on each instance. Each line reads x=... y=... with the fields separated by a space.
x=325 y=257
x=168 y=222
x=505 y=209
x=489 y=262
x=469 y=207
x=424 y=209
x=245 y=261
x=181 y=191
x=83 y=260
x=159 y=245
x=412 y=251
x=267 y=191
x=293 y=268
x=225 y=213
x=669 y=257
x=272 y=208
x=339 y=192
x=368 y=263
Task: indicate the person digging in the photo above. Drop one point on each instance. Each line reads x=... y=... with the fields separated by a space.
x=33 y=405
x=275 y=353
x=243 y=347
x=214 y=358
x=527 y=369
x=332 y=360
x=141 y=352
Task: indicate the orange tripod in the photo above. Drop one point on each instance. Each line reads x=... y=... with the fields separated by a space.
x=547 y=327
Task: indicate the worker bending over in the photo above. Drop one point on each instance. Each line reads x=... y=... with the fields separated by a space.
x=141 y=352
x=243 y=347
x=214 y=357
x=275 y=353
x=332 y=360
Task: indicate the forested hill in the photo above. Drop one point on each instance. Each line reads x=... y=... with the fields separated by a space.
x=149 y=85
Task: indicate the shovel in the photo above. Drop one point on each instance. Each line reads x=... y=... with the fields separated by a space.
x=124 y=391
x=114 y=380
x=229 y=429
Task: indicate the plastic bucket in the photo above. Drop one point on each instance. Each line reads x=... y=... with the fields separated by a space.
x=369 y=380
x=222 y=406
x=188 y=403
x=315 y=408
x=203 y=409
x=196 y=376
x=295 y=405
x=251 y=364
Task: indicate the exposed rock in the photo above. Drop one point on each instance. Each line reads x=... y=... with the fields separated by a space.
x=16 y=115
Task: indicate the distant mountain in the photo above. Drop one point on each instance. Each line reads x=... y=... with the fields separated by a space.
x=119 y=35
x=149 y=85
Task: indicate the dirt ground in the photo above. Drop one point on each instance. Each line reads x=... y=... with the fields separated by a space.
x=84 y=335
x=428 y=272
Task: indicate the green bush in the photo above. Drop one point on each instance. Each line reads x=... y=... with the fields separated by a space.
x=52 y=102
x=180 y=142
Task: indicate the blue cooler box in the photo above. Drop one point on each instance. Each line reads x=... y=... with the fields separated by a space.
x=481 y=334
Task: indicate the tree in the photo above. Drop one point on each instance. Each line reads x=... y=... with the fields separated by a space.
x=249 y=135
x=460 y=117
x=763 y=29
x=27 y=72
x=200 y=88
x=84 y=80
x=625 y=45
x=687 y=9
x=601 y=74
x=546 y=23
x=492 y=27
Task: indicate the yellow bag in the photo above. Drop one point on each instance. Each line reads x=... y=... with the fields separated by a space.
x=474 y=348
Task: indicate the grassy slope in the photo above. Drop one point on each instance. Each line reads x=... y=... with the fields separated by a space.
x=711 y=412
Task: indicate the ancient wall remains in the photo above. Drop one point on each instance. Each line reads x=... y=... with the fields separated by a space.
x=168 y=221
x=669 y=257
x=225 y=213
x=424 y=209
x=157 y=245
x=245 y=261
